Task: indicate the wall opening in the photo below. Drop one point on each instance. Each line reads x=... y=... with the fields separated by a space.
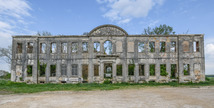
x=42 y=70
x=163 y=70
x=74 y=69
x=19 y=47
x=162 y=46
x=63 y=69
x=42 y=48
x=185 y=46
x=141 y=70
x=196 y=46
x=85 y=46
x=85 y=72
x=108 y=47
x=29 y=70
x=96 y=47
x=53 y=47
x=52 y=70
x=96 y=70
x=173 y=71
x=186 y=69
x=119 y=70
x=30 y=47
x=131 y=69
x=64 y=48
x=173 y=46
x=141 y=47
x=152 y=69
x=74 y=47
x=152 y=46
x=108 y=70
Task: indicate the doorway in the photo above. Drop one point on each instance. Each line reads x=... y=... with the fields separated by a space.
x=108 y=70
x=85 y=73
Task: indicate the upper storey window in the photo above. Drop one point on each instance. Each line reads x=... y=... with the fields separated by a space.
x=173 y=46
x=30 y=47
x=152 y=46
x=64 y=48
x=96 y=47
x=42 y=48
x=85 y=46
x=74 y=47
x=19 y=47
x=108 y=47
x=141 y=47
x=162 y=46
x=196 y=46
x=185 y=46
x=53 y=47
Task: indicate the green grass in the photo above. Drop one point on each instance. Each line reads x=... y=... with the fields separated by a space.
x=8 y=87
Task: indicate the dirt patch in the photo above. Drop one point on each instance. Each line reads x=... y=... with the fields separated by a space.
x=159 y=97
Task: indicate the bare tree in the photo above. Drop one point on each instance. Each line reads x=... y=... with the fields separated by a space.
x=43 y=33
x=6 y=54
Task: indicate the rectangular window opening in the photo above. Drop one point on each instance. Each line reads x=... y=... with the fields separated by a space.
x=173 y=46
x=96 y=70
x=52 y=70
x=63 y=70
x=96 y=47
x=141 y=47
x=119 y=70
x=74 y=47
x=173 y=71
x=152 y=46
x=42 y=70
x=162 y=46
x=74 y=69
x=30 y=47
x=152 y=70
x=141 y=70
x=196 y=46
x=53 y=47
x=186 y=69
x=19 y=47
x=64 y=48
x=42 y=48
x=85 y=46
x=29 y=70
x=131 y=69
x=163 y=71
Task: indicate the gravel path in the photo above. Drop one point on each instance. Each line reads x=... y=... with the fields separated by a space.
x=155 y=97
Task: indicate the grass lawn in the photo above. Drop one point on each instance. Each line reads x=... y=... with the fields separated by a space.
x=8 y=87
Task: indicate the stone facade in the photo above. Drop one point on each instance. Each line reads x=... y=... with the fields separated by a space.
x=128 y=58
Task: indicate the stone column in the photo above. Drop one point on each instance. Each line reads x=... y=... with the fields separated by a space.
x=101 y=73
x=136 y=72
x=114 y=68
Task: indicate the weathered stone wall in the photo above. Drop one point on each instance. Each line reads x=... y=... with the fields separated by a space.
x=125 y=52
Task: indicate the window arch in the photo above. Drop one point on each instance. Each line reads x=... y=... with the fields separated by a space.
x=108 y=49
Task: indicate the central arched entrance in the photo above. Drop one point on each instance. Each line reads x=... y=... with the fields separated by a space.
x=108 y=70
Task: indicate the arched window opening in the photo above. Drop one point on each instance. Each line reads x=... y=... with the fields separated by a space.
x=108 y=47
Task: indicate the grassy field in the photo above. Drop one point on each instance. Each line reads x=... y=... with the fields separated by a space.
x=8 y=87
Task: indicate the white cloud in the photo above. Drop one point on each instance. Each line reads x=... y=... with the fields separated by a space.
x=123 y=11
x=209 y=58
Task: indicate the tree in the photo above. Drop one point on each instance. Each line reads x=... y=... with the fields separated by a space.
x=6 y=54
x=43 y=33
x=161 y=30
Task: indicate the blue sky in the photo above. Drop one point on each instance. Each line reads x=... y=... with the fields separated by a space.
x=74 y=17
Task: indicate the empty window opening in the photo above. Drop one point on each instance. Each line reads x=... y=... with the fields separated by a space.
x=141 y=47
x=42 y=48
x=63 y=69
x=119 y=70
x=74 y=47
x=152 y=70
x=30 y=47
x=108 y=47
x=96 y=70
x=131 y=69
x=52 y=70
x=186 y=69
x=163 y=70
x=42 y=70
x=85 y=46
x=141 y=70
x=196 y=46
x=53 y=47
x=152 y=46
x=85 y=72
x=162 y=46
x=19 y=47
x=29 y=70
x=74 y=69
x=64 y=48
x=173 y=46
x=185 y=46
x=96 y=47
x=173 y=71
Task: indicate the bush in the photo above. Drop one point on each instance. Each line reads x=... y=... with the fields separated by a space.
x=107 y=81
x=7 y=76
x=207 y=79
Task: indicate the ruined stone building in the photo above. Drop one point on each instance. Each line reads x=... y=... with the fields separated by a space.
x=108 y=52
